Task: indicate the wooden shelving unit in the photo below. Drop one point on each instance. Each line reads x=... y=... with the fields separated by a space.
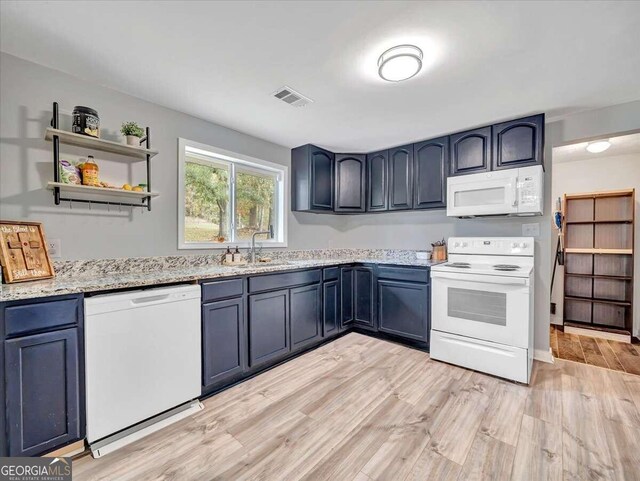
x=598 y=231
x=128 y=153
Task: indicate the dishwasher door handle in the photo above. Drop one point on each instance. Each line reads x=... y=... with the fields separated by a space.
x=150 y=299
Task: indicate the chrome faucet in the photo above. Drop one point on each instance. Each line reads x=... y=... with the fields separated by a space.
x=253 y=241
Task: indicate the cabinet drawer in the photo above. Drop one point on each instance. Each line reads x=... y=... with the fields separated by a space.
x=25 y=318
x=215 y=290
x=404 y=274
x=278 y=281
x=331 y=273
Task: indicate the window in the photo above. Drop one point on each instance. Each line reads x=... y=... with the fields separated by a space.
x=225 y=197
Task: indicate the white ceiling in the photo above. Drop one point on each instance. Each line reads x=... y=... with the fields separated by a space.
x=621 y=145
x=220 y=61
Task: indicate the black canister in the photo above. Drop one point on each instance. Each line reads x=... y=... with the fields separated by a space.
x=85 y=121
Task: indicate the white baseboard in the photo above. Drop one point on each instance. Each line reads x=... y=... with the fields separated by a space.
x=542 y=355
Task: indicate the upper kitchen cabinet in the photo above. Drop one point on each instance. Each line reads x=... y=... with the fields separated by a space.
x=431 y=167
x=518 y=143
x=350 y=182
x=401 y=177
x=377 y=181
x=312 y=179
x=471 y=151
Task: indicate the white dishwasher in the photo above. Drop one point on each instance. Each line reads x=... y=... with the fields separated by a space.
x=143 y=359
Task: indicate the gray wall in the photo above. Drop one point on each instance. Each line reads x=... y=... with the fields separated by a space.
x=26 y=93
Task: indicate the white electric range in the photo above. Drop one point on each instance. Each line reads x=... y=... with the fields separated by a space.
x=482 y=306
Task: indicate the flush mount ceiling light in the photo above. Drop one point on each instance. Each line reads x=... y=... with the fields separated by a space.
x=400 y=63
x=598 y=146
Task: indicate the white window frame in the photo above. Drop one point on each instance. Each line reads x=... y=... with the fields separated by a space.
x=245 y=162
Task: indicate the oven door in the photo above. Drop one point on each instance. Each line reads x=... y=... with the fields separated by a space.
x=492 y=308
x=491 y=193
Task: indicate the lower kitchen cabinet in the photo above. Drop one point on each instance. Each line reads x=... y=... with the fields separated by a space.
x=42 y=392
x=223 y=341
x=331 y=308
x=346 y=298
x=305 y=320
x=268 y=323
x=403 y=309
x=364 y=297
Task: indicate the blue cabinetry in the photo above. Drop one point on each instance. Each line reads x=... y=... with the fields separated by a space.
x=312 y=179
x=471 y=151
x=223 y=341
x=401 y=177
x=42 y=377
x=430 y=172
x=268 y=327
x=378 y=181
x=305 y=317
x=350 y=183
x=518 y=143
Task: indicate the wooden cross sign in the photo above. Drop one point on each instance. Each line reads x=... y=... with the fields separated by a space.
x=23 y=252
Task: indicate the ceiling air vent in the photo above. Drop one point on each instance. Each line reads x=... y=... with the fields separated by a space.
x=290 y=96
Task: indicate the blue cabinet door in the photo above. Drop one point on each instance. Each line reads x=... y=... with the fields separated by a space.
x=518 y=143
x=43 y=392
x=350 y=183
x=331 y=308
x=346 y=297
x=471 y=151
x=312 y=179
x=268 y=326
x=403 y=309
x=305 y=310
x=364 y=294
x=431 y=168
x=378 y=181
x=223 y=341
x=401 y=177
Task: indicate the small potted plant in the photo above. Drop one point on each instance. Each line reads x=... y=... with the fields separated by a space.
x=133 y=132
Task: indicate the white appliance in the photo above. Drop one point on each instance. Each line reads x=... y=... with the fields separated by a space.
x=142 y=353
x=513 y=192
x=482 y=306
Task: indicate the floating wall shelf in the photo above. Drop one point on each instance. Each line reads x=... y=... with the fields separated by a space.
x=87 y=189
x=130 y=151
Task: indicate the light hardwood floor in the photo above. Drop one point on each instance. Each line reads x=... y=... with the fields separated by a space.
x=363 y=409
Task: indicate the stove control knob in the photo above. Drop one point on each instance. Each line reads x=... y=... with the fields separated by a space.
x=523 y=244
x=514 y=245
x=456 y=244
x=464 y=244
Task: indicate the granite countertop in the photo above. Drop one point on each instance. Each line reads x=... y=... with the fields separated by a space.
x=96 y=282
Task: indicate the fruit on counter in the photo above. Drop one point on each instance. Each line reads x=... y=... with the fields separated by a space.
x=127 y=187
x=107 y=185
x=137 y=188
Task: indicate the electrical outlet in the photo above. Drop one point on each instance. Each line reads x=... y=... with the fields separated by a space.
x=55 y=248
x=531 y=230
x=553 y=308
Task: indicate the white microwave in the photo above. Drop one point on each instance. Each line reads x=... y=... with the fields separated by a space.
x=513 y=192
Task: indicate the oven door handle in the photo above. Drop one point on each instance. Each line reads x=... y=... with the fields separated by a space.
x=509 y=281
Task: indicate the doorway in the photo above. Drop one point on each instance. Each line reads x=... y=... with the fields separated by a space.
x=595 y=298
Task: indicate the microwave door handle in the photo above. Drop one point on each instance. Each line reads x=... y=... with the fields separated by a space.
x=514 y=192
